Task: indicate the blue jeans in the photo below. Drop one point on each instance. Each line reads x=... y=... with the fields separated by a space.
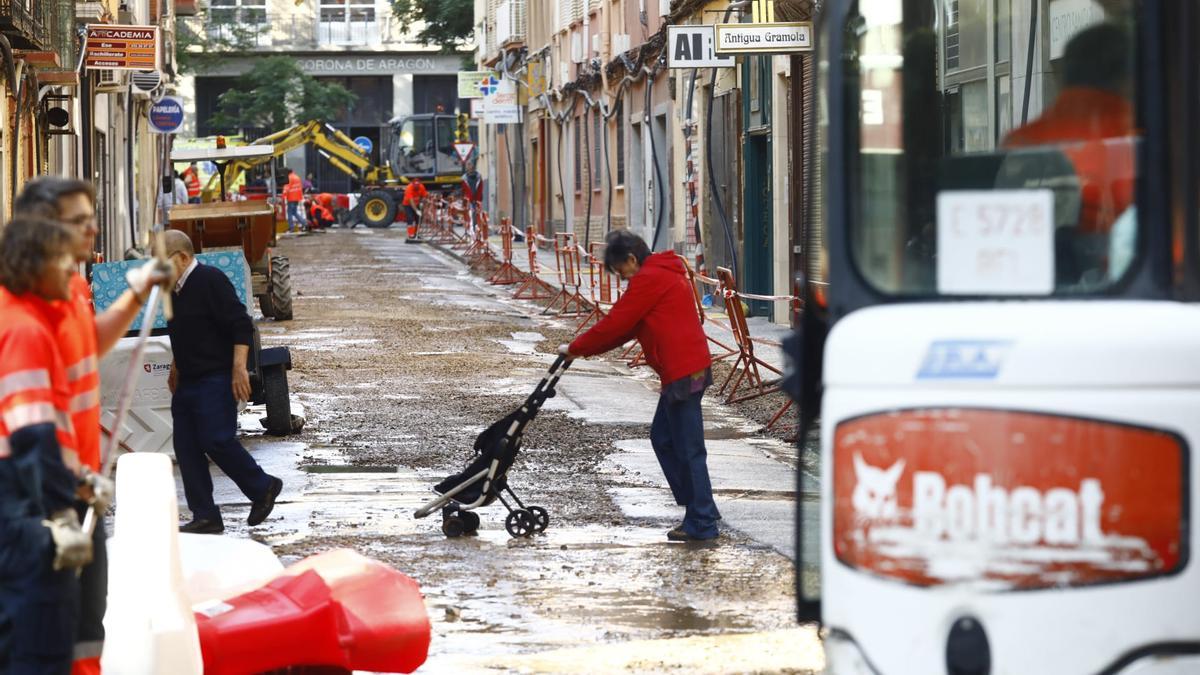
x=205 y=418
x=294 y=215
x=677 y=435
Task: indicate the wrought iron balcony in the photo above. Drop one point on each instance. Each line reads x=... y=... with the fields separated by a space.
x=22 y=22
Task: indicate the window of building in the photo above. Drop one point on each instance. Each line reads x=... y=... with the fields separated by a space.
x=208 y=102
x=619 y=118
x=348 y=22
x=597 y=150
x=239 y=22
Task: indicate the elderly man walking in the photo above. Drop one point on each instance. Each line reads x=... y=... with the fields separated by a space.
x=210 y=336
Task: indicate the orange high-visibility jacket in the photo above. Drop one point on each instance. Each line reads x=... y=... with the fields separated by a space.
x=192 y=182
x=414 y=193
x=294 y=191
x=33 y=382
x=76 y=338
x=1095 y=130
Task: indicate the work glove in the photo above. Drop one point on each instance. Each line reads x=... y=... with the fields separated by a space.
x=149 y=274
x=103 y=490
x=72 y=546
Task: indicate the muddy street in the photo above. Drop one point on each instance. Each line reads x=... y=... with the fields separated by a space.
x=401 y=357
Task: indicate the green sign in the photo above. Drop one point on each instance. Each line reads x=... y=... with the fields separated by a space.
x=472 y=84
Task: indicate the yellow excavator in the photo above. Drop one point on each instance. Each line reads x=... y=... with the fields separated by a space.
x=419 y=146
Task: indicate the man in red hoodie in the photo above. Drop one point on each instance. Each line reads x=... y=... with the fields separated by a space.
x=659 y=309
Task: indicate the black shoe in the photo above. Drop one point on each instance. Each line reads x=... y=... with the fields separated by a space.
x=678 y=534
x=203 y=526
x=261 y=509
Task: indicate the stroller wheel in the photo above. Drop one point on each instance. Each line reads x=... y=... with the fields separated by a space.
x=520 y=523
x=541 y=518
x=470 y=521
x=453 y=526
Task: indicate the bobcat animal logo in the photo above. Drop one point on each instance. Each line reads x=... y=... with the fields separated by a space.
x=875 y=493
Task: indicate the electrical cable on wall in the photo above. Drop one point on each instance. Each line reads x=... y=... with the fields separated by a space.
x=658 y=179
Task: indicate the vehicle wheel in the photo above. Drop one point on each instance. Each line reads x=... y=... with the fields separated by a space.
x=280 y=288
x=520 y=523
x=471 y=520
x=453 y=526
x=264 y=303
x=279 y=407
x=541 y=518
x=378 y=209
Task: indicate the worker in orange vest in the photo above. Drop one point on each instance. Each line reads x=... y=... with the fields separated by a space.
x=41 y=542
x=82 y=338
x=293 y=194
x=414 y=194
x=322 y=210
x=191 y=180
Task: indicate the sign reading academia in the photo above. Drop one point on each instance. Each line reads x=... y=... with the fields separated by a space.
x=115 y=47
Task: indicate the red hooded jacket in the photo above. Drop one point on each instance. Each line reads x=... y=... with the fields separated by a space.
x=659 y=309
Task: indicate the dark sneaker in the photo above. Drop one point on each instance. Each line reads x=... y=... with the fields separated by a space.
x=203 y=526
x=261 y=509
x=678 y=534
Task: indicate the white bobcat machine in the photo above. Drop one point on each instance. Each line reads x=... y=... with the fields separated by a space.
x=1001 y=338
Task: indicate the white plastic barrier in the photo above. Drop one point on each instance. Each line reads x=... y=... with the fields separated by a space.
x=149 y=627
x=148 y=426
x=219 y=568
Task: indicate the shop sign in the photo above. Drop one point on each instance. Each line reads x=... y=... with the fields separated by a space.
x=469 y=83
x=166 y=115
x=501 y=105
x=692 y=47
x=764 y=38
x=114 y=47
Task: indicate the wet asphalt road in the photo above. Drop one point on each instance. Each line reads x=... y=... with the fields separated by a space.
x=401 y=357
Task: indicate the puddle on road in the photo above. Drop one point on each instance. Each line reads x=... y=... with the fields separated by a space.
x=348 y=468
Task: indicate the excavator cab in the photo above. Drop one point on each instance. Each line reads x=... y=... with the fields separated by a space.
x=1000 y=338
x=422 y=146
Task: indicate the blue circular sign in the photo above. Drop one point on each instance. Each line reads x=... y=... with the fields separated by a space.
x=166 y=115
x=364 y=143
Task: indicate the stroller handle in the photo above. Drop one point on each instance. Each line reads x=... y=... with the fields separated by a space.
x=562 y=361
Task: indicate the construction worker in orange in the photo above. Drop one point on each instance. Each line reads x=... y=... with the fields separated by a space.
x=414 y=194
x=1092 y=124
x=293 y=194
x=191 y=180
x=82 y=338
x=322 y=211
x=42 y=545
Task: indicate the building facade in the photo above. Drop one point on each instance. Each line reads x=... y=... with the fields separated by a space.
x=356 y=43
x=696 y=161
x=64 y=119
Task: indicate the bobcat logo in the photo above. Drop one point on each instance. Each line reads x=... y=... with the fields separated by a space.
x=875 y=493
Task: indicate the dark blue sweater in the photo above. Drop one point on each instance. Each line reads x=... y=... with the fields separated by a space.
x=209 y=320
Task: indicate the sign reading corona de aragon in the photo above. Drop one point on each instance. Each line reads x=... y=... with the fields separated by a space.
x=116 y=47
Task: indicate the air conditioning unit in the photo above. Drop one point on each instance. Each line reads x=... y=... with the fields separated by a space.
x=146 y=82
x=112 y=81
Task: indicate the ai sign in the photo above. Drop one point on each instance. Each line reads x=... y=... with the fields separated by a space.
x=166 y=115
x=692 y=47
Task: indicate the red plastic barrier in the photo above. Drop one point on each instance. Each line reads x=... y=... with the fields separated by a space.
x=533 y=288
x=334 y=609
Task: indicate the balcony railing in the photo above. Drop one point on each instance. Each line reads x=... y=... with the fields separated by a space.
x=289 y=32
x=40 y=25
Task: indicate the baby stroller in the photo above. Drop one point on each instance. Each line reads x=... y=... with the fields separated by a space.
x=486 y=478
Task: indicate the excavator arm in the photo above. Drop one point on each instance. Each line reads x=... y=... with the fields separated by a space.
x=341 y=151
